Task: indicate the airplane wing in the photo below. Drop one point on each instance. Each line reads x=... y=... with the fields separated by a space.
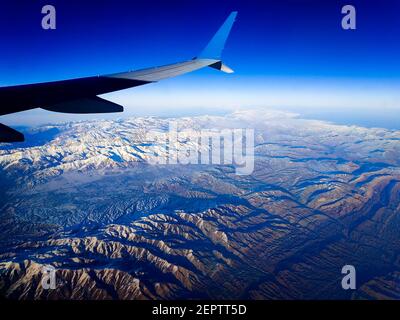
x=80 y=95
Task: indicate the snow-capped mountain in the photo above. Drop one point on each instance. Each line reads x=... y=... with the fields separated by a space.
x=88 y=199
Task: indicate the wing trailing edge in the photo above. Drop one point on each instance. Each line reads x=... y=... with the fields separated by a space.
x=85 y=106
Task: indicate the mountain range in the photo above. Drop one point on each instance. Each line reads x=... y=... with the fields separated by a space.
x=85 y=198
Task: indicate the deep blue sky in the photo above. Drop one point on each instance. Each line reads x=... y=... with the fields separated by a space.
x=286 y=46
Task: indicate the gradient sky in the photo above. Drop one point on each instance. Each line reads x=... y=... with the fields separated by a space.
x=285 y=53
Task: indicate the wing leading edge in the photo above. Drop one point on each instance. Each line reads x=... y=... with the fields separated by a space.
x=81 y=95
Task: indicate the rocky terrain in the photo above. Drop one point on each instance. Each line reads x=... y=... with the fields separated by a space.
x=85 y=198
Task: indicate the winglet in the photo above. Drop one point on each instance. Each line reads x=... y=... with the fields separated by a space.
x=214 y=48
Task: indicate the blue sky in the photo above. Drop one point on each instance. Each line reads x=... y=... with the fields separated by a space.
x=284 y=53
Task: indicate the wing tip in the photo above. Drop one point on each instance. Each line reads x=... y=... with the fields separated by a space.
x=222 y=67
